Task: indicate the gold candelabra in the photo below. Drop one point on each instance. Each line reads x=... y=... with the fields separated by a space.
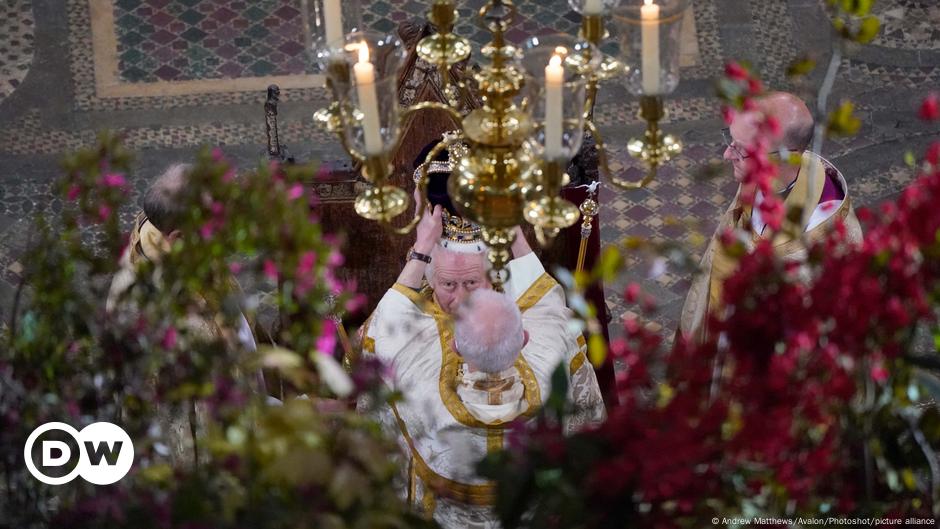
x=513 y=167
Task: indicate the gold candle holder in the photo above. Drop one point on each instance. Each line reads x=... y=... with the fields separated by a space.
x=550 y=213
x=381 y=202
x=654 y=148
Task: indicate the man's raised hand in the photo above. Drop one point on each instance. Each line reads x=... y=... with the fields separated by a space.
x=429 y=230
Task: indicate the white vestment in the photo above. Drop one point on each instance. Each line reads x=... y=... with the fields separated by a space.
x=444 y=426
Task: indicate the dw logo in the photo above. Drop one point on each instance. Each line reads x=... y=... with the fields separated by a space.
x=105 y=453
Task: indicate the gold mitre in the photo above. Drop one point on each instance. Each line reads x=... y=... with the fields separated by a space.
x=460 y=234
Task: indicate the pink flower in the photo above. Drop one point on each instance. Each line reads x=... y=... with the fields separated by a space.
x=754 y=86
x=235 y=268
x=335 y=259
x=296 y=191
x=217 y=208
x=270 y=270
x=113 y=180
x=206 y=230
x=930 y=108
x=631 y=293
x=73 y=192
x=326 y=343
x=307 y=261
x=355 y=303
x=735 y=71
x=933 y=154
x=878 y=373
x=104 y=211
x=169 y=338
x=229 y=176
x=728 y=113
x=217 y=154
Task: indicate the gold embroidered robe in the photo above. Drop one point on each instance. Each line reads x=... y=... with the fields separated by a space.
x=442 y=439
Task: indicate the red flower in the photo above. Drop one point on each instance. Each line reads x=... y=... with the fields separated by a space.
x=933 y=154
x=735 y=71
x=930 y=108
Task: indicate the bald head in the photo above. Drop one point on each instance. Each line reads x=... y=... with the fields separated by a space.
x=796 y=121
x=161 y=202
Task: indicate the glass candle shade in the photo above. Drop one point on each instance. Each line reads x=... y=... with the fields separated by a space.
x=648 y=34
x=326 y=21
x=593 y=7
x=555 y=89
x=363 y=75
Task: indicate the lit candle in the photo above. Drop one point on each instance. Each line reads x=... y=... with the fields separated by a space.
x=554 y=83
x=368 y=102
x=649 y=15
x=332 y=20
x=593 y=7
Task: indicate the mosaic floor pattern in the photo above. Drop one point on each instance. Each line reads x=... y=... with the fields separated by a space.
x=185 y=39
x=16 y=43
x=175 y=74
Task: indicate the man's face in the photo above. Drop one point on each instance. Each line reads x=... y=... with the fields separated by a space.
x=743 y=131
x=455 y=277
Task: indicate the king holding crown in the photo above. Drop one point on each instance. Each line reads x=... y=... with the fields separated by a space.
x=454 y=412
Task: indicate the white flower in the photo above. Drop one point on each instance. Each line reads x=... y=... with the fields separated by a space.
x=333 y=375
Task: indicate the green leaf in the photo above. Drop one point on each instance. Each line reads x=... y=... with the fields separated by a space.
x=909 y=159
x=868 y=30
x=857 y=7
x=611 y=262
x=907 y=477
x=842 y=122
x=597 y=350
x=802 y=66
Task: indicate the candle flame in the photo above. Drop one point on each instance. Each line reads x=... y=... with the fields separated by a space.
x=561 y=50
x=555 y=60
x=648 y=2
x=363 y=52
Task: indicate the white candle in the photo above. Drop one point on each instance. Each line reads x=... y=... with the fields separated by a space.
x=332 y=20
x=649 y=15
x=554 y=83
x=368 y=102
x=593 y=7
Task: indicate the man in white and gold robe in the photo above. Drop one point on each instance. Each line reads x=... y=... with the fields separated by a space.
x=827 y=194
x=443 y=423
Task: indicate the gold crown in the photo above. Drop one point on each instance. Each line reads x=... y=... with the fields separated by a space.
x=456 y=229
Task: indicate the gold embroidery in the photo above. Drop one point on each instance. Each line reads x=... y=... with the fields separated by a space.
x=534 y=293
x=450 y=365
x=577 y=362
x=581 y=341
x=451 y=361
x=429 y=503
x=494 y=440
x=483 y=494
x=412 y=481
x=409 y=293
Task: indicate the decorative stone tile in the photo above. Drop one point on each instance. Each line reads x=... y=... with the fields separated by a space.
x=880 y=75
x=908 y=24
x=773 y=33
x=16 y=43
x=27 y=136
x=82 y=61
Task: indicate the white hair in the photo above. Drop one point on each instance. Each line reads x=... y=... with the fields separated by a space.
x=488 y=331
x=439 y=249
